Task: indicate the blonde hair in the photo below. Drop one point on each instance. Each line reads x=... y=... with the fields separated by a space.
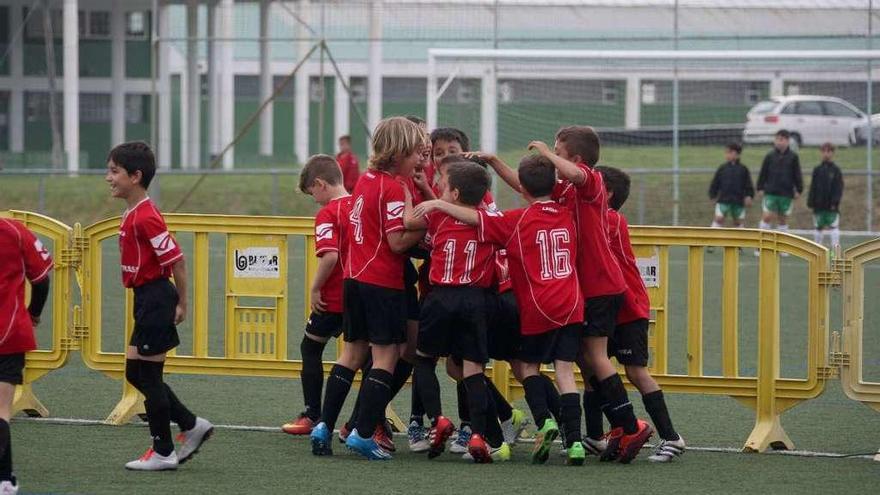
x=393 y=139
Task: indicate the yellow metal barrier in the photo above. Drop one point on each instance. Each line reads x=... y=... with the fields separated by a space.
x=42 y=361
x=768 y=394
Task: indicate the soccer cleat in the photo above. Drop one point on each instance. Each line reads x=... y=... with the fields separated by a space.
x=366 y=447
x=344 y=432
x=595 y=447
x=460 y=444
x=9 y=487
x=500 y=454
x=668 y=450
x=440 y=432
x=191 y=440
x=576 y=454
x=321 y=440
x=513 y=427
x=151 y=461
x=479 y=449
x=612 y=445
x=302 y=425
x=630 y=445
x=418 y=438
x=543 y=441
x=382 y=438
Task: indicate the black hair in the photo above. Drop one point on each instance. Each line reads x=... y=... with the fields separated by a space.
x=451 y=134
x=471 y=181
x=322 y=167
x=783 y=133
x=537 y=175
x=735 y=147
x=135 y=156
x=616 y=181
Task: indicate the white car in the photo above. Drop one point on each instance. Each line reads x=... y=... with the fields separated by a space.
x=811 y=120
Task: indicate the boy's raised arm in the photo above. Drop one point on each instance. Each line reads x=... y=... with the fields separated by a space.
x=568 y=170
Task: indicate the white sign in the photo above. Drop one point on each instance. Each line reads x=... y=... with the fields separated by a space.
x=256 y=262
x=649 y=268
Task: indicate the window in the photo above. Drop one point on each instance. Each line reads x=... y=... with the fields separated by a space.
x=808 y=108
x=839 y=110
x=649 y=93
x=94 y=108
x=789 y=109
x=505 y=92
x=99 y=24
x=753 y=95
x=136 y=109
x=609 y=95
x=136 y=24
x=764 y=107
x=34 y=28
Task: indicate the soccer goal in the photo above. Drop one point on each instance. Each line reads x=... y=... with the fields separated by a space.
x=660 y=109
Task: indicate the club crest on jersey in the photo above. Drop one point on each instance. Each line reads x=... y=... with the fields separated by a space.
x=162 y=243
x=394 y=210
x=44 y=253
x=324 y=232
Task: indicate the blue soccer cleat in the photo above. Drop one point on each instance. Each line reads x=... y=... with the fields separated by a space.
x=366 y=447
x=321 y=439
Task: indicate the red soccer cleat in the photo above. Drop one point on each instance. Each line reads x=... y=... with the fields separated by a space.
x=300 y=426
x=383 y=439
x=612 y=450
x=479 y=450
x=630 y=445
x=440 y=432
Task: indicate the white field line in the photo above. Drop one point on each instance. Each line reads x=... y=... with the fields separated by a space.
x=276 y=429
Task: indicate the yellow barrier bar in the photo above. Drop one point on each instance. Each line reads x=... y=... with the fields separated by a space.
x=201 y=282
x=695 y=311
x=730 y=312
x=852 y=358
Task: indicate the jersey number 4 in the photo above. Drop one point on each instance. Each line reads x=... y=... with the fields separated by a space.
x=470 y=252
x=555 y=259
x=355 y=218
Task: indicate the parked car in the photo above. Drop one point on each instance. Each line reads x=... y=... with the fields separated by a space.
x=811 y=120
x=862 y=130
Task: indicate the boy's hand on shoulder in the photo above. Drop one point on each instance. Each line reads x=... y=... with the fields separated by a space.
x=179 y=314
x=318 y=304
x=426 y=207
x=541 y=147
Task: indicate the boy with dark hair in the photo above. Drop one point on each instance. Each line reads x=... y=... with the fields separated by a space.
x=731 y=188
x=541 y=241
x=149 y=257
x=322 y=179
x=348 y=162
x=826 y=191
x=22 y=257
x=582 y=189
x=780 y=180
x=454 y=315
x=630 y=342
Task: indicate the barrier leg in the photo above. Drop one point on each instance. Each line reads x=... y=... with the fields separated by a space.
x=26 y=401
x=132 y=404
x=397 y=424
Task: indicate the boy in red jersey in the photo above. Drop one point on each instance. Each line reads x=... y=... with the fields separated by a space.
x=454 y=315
x=630 y=342
x=541 y=244
x=582 y=190
x=374 y=302
x=321 y=178
x=149 y=257
x=22 y=257
x=348 y=163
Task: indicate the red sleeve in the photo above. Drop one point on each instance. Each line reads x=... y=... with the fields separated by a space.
x=593 y=185
x=153 y=227
x=496 y=227
x=558 y=190
x=613 y=224
x=392 y=203
x=326 y=232
x=37 y=261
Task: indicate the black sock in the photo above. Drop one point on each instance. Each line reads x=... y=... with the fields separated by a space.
x=184 y=418
x=417 y=409
x=503 y=408
x=655 y=404
x=133 y=373
x=352 y=419
x=428 y=387
x=619 y=408
x=553 y=401
x=402 y=372
x=478 y=402
x=338 y=385
x=312 y=375
x=494 y=435
x=593 y=414
x=536 y=397
x=5 y=451
x=157 y=405
x=570 y=411
x=375 y=394
x=464 y=410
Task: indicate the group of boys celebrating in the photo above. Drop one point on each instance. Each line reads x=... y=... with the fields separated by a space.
x=555 y=282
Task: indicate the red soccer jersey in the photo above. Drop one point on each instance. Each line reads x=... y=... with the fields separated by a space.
x=22 y=256
x=636 y=305
x=348 y=162
x=457 y=257
x=376 y=211
x=147 y=250
x=541 y=246
x=597 y=268
x=502 y=271
x=331 y=235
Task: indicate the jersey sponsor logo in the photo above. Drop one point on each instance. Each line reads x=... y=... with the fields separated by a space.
x=162 y=243
x=44 y=253
x=324 y=232
x=549 y=209
x=129 y=269
x=394 y=210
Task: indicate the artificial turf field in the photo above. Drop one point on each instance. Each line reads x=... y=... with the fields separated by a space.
x=56 y=458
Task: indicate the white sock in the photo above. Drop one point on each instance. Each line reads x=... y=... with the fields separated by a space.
x=782 y=228
x=818 y=236
x=764 y=225
x=835 y=237
x=716 y=225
